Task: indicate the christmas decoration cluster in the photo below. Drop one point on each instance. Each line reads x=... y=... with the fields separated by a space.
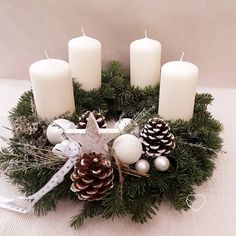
x=126 y=168
x=93 y=174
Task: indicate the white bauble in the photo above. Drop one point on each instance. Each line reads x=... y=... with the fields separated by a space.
x=128 y=148
x=142 y=166
x=162 y=163
x=55 y=131
x=122 y=123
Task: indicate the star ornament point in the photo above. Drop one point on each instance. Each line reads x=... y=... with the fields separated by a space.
x=93 y=138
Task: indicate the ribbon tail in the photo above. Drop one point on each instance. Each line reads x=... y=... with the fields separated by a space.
x=57 y=178
x=5 y=200
x=9 y=204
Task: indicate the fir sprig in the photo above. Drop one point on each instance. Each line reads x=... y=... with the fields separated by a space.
x=89 y=210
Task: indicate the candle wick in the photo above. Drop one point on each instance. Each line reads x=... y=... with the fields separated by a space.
x=46 y=54
x=182 y=56
x=145 y=33
x=82 y=29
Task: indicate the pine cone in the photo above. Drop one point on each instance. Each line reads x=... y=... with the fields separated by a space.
x=98 y=116
x=24 y=126
x=92 y=176
x=28 y=126
x=156 y=138
x=30 y=129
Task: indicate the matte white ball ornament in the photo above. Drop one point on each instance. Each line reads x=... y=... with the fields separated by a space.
x=128 y=148
x=55 y=131
x=142 y=166
x=124 y=122
x=162 y=163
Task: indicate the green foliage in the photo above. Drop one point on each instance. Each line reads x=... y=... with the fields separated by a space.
x=192 y=161
x=113 y=205
x=116 y=96
x=89 y=210
x=142 y=197
x=23 y=107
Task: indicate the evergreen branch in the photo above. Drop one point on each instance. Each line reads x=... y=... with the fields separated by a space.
x=135 y=187
x=179 y=141
x=89 y=210
x=28 y=157
x=143 y=208
x=178 y=195
x=113 y=204
x=23 y=107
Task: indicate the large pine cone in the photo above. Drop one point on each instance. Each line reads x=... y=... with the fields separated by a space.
x=83 y=120
x=156 y=138
x=92 y=177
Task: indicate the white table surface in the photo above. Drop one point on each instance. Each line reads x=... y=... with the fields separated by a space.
x=217 y=217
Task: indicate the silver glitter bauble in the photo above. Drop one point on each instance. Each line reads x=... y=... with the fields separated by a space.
x=142 y=166
x=162 y=163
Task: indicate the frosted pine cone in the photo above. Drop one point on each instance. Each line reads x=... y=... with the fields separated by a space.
x=25 y=126
x=92 y=177
x=98 y=116
x=34 y=131
x=156 y=138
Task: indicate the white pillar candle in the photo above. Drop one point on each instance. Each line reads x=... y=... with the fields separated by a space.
x=85 y=61
x=52 y=88
x=145 y=61
x=178 y=90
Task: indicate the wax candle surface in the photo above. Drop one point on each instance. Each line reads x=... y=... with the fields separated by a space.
x=178 y=90
x=145 y=60
x=85 y=61
x=52 y=88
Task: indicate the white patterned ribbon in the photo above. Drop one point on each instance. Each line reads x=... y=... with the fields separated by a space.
x=66 y=149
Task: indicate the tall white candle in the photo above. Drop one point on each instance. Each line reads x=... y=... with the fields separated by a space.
x=85 y=61
x=145 y=62
x=178 y=90
x=52 y=88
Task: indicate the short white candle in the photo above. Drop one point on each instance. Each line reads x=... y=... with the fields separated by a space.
x=145 y=62
x=85 y=61
x=52 y=88
x=178 y=90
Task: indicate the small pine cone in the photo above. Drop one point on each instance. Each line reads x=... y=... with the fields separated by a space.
x=32 y=130
x=25 y=126
x=92 y=176
x=98 y=116
x=157 y=140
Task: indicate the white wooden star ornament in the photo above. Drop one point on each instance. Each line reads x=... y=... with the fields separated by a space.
x=93 y=138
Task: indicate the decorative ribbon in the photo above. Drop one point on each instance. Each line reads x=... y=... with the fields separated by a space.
x=66 y=149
